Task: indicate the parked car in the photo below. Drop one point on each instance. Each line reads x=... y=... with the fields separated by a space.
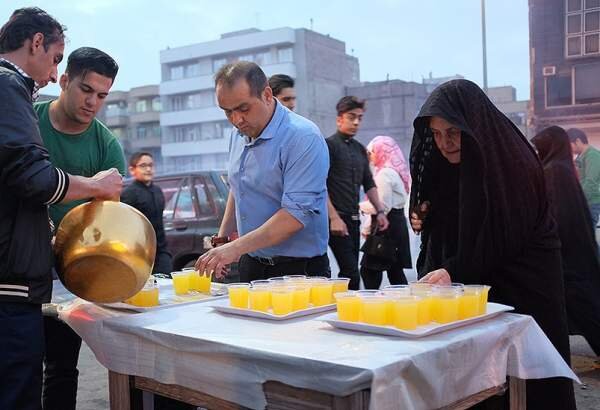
x=194 y=207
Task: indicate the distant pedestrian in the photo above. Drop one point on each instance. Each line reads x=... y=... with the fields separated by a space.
x=392 y=177
x=283 y=89
x=588 y=167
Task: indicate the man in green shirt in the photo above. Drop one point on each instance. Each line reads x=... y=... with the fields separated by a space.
x=79 y=144
x=588 y=168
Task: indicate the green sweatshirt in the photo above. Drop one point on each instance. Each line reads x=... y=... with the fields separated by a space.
x=94 y=150
x=588 y=164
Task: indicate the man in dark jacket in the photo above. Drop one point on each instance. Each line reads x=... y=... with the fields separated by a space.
x=148 y=198
x=31 y=47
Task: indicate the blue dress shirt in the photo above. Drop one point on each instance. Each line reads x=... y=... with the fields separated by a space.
x=284 y=168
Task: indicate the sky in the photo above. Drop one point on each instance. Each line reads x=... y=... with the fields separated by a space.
x=404 y=39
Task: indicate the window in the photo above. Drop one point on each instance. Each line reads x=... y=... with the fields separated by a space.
x=559 y=90
x=185 y=204
x=116 y=109
x=141 y=132
x=141 y=106
x=263 y=58
x=192 y=70
x=246 y=57
x=170 y=187
x=176 y=72
x=587 y=84
x=156 y=105
x=218 y=63
x=206 y=192
x=285 y=55
x=582 y=28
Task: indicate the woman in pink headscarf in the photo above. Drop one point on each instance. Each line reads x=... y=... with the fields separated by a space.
x=392 y=177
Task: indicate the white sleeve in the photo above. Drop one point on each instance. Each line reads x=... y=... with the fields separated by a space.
x=385 y=188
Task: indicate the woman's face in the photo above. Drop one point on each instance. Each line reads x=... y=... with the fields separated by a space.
x=447 y=138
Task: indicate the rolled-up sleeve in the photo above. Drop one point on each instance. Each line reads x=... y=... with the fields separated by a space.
x=25 y=168
x=305 y=178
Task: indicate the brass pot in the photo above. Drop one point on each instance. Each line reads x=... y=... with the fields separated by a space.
x=105 y=251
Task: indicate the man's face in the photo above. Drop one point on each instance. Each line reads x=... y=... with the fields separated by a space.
x=349 y=122
x=447 y=138
x=143 y=170
x=43 y=65
x=577 y=147
x=248 y=113
x=83 y=96
x=287 y=97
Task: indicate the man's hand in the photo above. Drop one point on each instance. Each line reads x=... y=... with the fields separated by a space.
x=217 y=260
x=418 y=216
x=382 y=222
x=338 y=227
x=108 y=184
x=437 y=277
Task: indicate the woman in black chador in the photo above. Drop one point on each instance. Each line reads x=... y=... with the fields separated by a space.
x=581 y=267
x=479 y=199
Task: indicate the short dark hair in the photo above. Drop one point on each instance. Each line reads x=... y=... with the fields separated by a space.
x=229 y=75
x=577 y=134
x=349 y=103
x=24 y=23
x=135 y=157
x=278 y=82
x=86 y=59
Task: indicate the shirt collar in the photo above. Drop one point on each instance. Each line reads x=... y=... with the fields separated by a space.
x=270 y=130
x=36 y=87
x=345 y=137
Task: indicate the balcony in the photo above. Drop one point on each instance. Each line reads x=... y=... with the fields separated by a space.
x=168 y=119
x=147 y=116
x=116 y=121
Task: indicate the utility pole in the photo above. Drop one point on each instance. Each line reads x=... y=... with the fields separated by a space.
x=484 y=46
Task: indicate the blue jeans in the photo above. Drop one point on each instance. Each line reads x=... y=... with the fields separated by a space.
x=22 y=347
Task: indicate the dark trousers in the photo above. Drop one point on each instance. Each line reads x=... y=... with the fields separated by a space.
x=22 y=347
x=372 y=278
x=163 y=262
x=318 y=266
x=60 y=365
x=251 y=269
x=345 y=249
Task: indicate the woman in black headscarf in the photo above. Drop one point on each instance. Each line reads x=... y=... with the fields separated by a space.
x=483 y=212
x=581 y=267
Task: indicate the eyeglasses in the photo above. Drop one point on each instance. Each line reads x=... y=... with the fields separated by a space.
x=144 y=166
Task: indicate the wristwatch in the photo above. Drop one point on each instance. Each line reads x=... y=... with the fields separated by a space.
x=216 y=240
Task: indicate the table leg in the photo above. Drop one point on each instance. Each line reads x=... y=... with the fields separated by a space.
x=121 y=393
x=517 y=393
x=281 y=396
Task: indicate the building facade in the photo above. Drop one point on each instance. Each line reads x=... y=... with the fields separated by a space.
x=195 y=132
x=505 y=99
x=565 y=65
x=134 y=117
x=391 y=107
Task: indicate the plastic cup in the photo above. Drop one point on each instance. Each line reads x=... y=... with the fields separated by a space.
x=266 y=284
x=319 y=286
x=424 y=305
x=397 y=289
x=406 y=312
x=348 y=306
x=181 y=282
x=340 y=285
x=282 y=299
x=365 y=292
x=259 y=297
x=147 y=297
x=483 y=299
x=278 y=281
x=294 y=278
x=445 y=303
x=416 y=286
x=238 y=295
x=469 y=301
x=301 y=296
x=374 y=309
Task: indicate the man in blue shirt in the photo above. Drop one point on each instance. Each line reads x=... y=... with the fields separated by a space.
x=278 y=169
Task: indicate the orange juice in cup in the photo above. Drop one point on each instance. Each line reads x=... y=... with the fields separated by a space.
x=238 y=294
x=374 y=309
x=147 y=297
x=282 y=299
x=181 y=282
x=424 y=305
x=348 y=306
x=445 y=303
x=320 y=286
x=259 y=297
x=301 y=296
x=204 y=281
x=469 y=302
x=406 y=312
x=340 y=285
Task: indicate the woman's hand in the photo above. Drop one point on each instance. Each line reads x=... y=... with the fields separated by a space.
x=437 y=277
x=417 y=217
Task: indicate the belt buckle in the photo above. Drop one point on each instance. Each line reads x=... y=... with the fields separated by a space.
x=267 y=261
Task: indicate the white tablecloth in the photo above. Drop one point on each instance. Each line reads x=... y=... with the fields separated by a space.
x=230 y=357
